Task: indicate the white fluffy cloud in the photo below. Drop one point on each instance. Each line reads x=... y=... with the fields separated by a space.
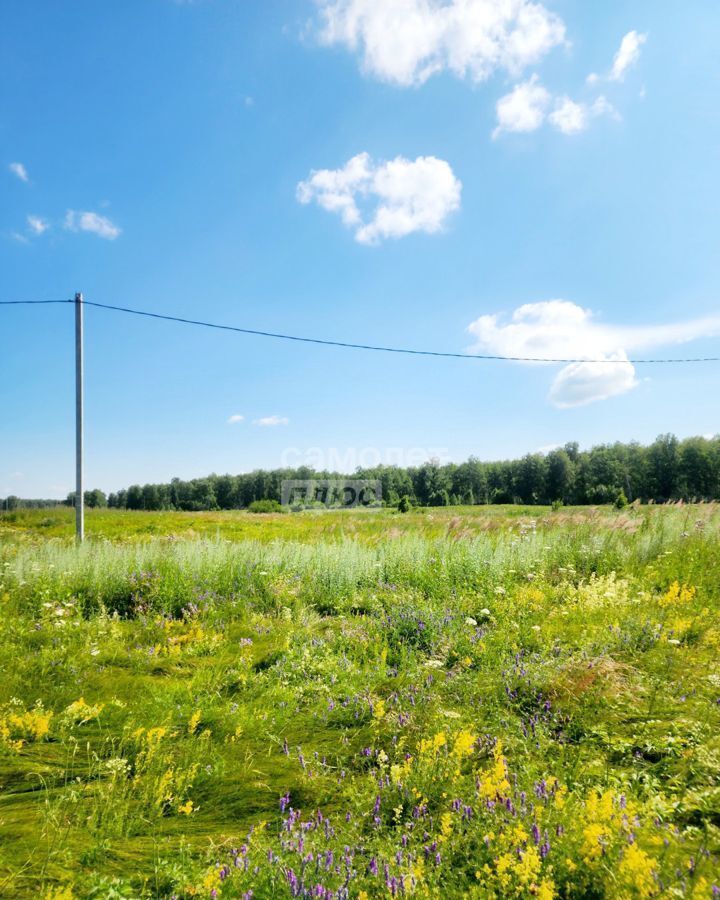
x=581 y=383
x=401 y=196
x=234 y=420
x=569 y=116
x=91 y=222
x=559 y=329
x=19 y=171
x=270 y=421
x=37 y=225
x=524 y=108
x=529 y=105
x=406 y=41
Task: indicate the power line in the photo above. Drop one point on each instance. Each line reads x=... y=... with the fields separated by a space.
x=372 y=347
x=30 y=302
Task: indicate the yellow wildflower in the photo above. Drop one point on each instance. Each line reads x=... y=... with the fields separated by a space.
x=677 y=595
x=594 y=837
x=637 y=870
x=81 y=712
x=446 y=826
x=495 y=780
x=546 y=890
x=527 y=868
x=464 y=744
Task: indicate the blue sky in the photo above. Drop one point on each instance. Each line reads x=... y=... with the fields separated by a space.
x=411 y=173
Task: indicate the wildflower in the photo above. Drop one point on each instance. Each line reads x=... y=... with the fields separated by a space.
x=495 y=782
x=595 y=836
x=546 y=890
x=81 y=712
x=446 y=825
x=463 y=744
x=638 y=870
x=677 y=595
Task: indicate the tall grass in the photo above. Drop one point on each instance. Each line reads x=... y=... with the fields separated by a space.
x=484 y=705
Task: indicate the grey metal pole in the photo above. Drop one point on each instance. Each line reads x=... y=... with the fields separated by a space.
x=79 y=490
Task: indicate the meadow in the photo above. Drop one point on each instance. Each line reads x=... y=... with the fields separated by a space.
x=482 y=702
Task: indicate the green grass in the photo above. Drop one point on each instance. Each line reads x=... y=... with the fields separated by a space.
x=485 y=702
x=310 y=527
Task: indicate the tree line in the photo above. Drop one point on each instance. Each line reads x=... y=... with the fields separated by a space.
x=668 y=469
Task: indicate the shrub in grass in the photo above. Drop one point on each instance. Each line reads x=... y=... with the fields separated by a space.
x=405 y=505
x=265 y=506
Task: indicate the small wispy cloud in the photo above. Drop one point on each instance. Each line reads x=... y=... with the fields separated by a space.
x=93 y=223
x=233 y=420
x=19 y=171
x=626 y=57
x=270 y=421
x=37 y=225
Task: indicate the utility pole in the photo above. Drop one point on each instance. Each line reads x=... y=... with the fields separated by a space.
x=79 y=491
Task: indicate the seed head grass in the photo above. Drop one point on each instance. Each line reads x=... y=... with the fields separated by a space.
x=454 y=703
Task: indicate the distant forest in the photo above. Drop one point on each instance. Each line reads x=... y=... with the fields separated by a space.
x=668 y=469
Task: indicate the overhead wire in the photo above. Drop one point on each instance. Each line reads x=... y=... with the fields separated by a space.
x=371 y=347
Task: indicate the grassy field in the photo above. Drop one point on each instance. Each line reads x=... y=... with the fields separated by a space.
x=366 y=525
x=482 y=702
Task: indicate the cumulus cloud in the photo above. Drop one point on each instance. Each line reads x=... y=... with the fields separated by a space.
x=233 y=420
x=91 y=222
x=405 y=42
x=270 y=421
x=529 y=105
x=400 y=196
x=523 y=109
x=37 y=225
x=582 y=383
x=19 y=171
x=569 y=116
x=560 y=329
